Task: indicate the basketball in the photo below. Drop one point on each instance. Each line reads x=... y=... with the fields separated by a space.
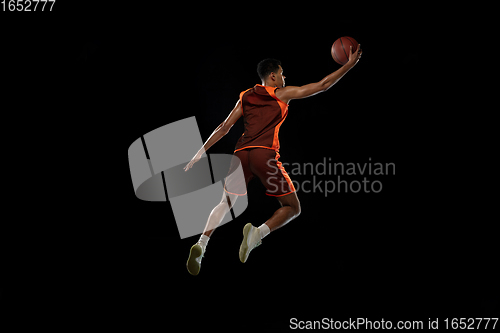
x=340 y=49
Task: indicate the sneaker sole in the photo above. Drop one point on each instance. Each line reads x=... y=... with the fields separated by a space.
x=244 y=244
x=192 y=265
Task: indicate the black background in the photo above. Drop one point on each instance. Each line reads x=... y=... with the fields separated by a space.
x=96 y=79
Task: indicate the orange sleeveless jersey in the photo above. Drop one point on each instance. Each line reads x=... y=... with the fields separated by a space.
x=263 y=114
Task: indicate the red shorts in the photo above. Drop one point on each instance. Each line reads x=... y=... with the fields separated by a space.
x=262 y=163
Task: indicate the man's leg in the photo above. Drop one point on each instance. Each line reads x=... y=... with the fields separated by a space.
x=252 y=237
x=196 y=253
x=219 y=212
x=264 y=163
x=235 y=182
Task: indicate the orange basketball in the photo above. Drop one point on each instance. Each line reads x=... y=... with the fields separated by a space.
x=340 y=49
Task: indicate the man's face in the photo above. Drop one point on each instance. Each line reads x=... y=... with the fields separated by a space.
x=280 y=78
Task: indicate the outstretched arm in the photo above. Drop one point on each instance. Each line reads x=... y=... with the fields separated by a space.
x=218 y=133
x=288 y=93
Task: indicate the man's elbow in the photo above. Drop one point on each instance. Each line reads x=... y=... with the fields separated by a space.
x=318 y=88
x=224 y=128
x=324 y=86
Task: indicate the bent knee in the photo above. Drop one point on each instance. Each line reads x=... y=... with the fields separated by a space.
x=297 y=210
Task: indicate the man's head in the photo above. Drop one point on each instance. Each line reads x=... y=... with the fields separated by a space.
x=271 y=73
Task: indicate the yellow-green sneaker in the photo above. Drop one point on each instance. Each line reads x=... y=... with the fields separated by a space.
x=251 y=239
x=194 y=261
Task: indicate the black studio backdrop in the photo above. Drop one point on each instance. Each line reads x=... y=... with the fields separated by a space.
x=119 y=75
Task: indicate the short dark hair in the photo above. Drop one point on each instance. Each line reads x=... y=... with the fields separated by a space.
x=267 y=66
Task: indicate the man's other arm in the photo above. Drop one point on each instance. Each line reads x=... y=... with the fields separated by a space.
x=218 y=133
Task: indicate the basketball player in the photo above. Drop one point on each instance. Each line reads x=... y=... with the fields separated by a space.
x=264 y=108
